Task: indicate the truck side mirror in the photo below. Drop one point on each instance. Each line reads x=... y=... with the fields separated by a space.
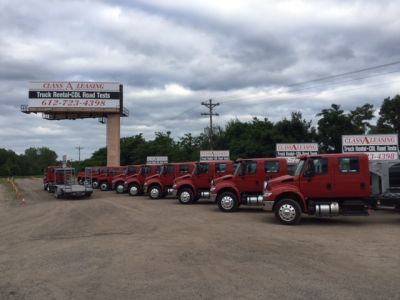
x=309 y=173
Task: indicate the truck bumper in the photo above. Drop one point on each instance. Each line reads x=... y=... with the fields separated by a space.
x=145 y=189
x=174 y=193
x=268 y=205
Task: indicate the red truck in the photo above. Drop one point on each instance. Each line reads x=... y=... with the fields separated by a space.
x=96 y=172
x=118 y=181
x=160 y=185
x=325 y=185
x=50 y=178
x=134 y=183
x=191 y=187
x=105 y=178
x=245 y=187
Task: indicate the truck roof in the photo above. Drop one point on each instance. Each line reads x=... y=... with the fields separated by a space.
x=261 y=159
x=333 y=155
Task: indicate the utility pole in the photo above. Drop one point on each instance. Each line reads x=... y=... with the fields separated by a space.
x=79 y=151
x=210 y=105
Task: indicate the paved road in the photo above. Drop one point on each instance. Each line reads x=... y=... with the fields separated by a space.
x=119 y=247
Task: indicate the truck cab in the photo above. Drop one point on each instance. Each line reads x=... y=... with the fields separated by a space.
x=160 y=185
x=118 y=181
x=322 y=185
x=50 y=178
x=245 y=186
x=105 y=179
x=192 y=187
x=134 y=183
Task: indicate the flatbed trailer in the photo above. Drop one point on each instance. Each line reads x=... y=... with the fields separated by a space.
x=68 y=187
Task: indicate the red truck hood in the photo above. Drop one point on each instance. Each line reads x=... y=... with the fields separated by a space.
x=183 y=177
x=281 y=179
x=153 y=176
x=222 y=178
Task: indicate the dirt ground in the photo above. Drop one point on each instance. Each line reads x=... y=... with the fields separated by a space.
x=119 y=247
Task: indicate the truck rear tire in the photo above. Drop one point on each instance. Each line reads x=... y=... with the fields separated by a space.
x=185 y=196
x=227 y=202
x=155 y=192
x=95 y=184
x=133 y=190
x=288 y=211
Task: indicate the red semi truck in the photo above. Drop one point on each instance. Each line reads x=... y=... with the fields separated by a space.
x=160 y=185
x=330 y=185
x=134 y=183
x=118 y=181
x=245 y=187
x=191 y=187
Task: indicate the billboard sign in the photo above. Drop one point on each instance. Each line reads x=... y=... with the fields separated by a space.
x=206 y=155
x=74 y=96
x=377 y=146
x=153 y=160
x=291 y=150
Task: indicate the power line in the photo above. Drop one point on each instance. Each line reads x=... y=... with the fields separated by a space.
x=210 y=105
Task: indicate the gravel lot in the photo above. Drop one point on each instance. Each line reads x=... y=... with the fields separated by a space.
x=119 y=247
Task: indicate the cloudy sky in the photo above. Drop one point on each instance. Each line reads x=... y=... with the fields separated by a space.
x=257 y=58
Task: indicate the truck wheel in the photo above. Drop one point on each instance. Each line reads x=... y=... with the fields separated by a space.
x=119 y=188
x=133 y=190
x=95 y=184
x=227 y=202
x=104 y=186
x=288 y=212
x=155 y=192
x=186 y=196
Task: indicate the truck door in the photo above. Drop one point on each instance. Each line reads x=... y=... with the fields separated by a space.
x=248 y=180
x=350 y=178
x=203 y=176
x=169 y=174
x=316 y=179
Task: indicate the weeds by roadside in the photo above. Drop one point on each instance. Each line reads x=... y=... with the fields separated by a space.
x=11 y=191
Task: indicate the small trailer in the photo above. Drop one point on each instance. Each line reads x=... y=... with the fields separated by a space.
x=66 y=185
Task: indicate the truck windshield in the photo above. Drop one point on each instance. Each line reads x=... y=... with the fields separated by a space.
x=163 y=170
x=299 y=167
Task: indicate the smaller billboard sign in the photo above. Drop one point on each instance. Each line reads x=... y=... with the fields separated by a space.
x=291 y=150
x=214 y=155
x=377 y=146
x=153 y=160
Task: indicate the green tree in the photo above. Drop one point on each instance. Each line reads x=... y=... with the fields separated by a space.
x=389 y=116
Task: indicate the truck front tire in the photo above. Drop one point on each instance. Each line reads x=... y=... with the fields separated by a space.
x=288 y=211
x=155 y=192
x=227 y=202
x=133 y=190
x=185 y=196
x=104 y=186
x=95 y=184
x=119 y=188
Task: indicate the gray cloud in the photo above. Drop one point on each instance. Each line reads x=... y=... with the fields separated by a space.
x=170 y=56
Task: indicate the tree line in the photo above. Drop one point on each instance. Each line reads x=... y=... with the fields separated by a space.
x=256 y=138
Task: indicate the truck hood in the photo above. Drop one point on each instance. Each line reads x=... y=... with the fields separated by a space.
x=281 y=179
x=153 y=176
x=222 y=178
x=183 y=177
